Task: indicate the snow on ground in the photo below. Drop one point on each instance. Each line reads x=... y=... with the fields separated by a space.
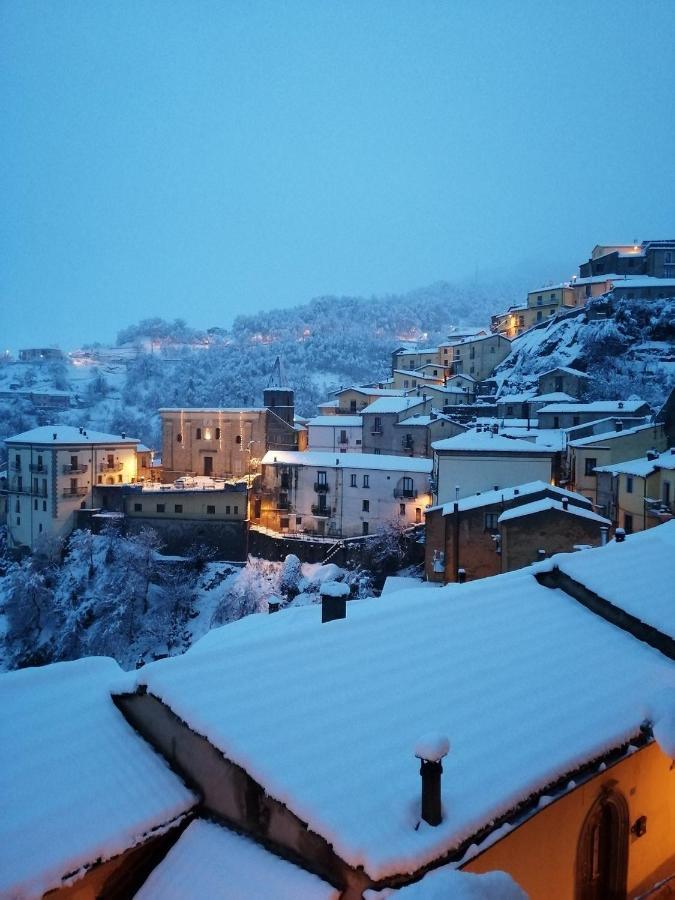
x=210 y=862
x=77 y=783
x=460 y=661
x=450 y=884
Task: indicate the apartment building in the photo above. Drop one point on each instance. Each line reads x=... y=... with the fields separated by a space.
x=336 y=434
x=639 y=493
x=340 y=495
x=53 y=471
x=380 y=418
x=655 y=258
x=354 y=399
x=562 y=379
x=567 y=415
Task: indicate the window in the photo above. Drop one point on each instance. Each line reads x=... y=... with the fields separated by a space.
x=237 y=440
x=552 y=296
x=40 y=527
x=343 y=436
x=138 y=507
x=161 y=507
x=575 y=420
x=236 y=510
x=540 y=300
x=358 y=442
x=284 y=522
x=44 y=506
x=210 y=510
x=376 y=451
x=321 y=478
x=178 y=507
x=401 y=509
x=298 y=519
x=198 y=434
x=408 y=486
x=492 y=349
x=352 y=480
x=218 y=434
x=491 y=520
x=179 y=438
x=627 y=523
x=35 y=504
x=406 y=383
x=365 y=506
x=558 y=383
x=556 y=422
x=629 y=484
x=17 y=462
x=540 y=315
x=418 y=515
x=352 y=406
x=366 y=481
x=589 y=464
x=227 y=510
x=377 y=425
x=509 y=410
x=364 y=527
x=521 y=320
x=100 y=479
x=666 y=493
x=18 y=520
x=40 y=464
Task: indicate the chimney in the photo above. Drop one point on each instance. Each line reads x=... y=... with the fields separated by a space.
x=54 y=435
x=456 y=492
x=619 y=535
x=604 y=534
x=334 y=601
x=273 y=604
x=618 y=425
x=565 y=503
x=124 y=434
x=430 y=751
x=652 y=455
x=516 y=491
x=461 y=576
x=541 y=555
x=81 y=429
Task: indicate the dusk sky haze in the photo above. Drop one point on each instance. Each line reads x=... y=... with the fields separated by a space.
x=207 y=159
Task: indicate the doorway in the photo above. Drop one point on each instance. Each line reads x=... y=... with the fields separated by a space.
x=208 y=465
x=602 y=853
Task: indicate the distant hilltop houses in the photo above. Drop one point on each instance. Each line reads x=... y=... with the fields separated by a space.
x=498 y=724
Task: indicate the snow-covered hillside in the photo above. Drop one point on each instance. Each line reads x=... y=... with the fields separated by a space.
x=626 y=346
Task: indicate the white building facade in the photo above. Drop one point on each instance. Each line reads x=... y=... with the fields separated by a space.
x=335 y=434
x=51 y=473
x=340 y=495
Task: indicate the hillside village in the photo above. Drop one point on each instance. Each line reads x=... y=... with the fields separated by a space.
x=527 y=524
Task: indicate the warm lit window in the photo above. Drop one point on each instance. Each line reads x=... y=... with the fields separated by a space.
x=207 y=434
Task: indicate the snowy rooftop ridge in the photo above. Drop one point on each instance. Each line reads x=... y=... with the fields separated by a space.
x=392 y=404
x=335 y=421
x=68 y=435
x=326 y=459
x=642 y=466
x=610 y=435
x=488 y=441
x=488 y=498
x=613 y=406
x=548 y=503
x=77 y=783
x=483 y=650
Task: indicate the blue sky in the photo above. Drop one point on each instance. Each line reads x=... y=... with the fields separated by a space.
x=204 y=159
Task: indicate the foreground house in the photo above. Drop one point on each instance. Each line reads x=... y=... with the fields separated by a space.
x=340 y=495
x=498 y=531
x=53 y=472
x=563 y=780
x=86 y=802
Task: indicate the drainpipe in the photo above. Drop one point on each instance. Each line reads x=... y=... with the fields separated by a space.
x=456 y=540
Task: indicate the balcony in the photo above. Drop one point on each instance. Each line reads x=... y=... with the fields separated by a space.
x=38 y=468
x=75 y=492
x=321 y=487
x=320 y=511
x=405 y=494
x=75 y=470
x=343 y=440
x=110 y=467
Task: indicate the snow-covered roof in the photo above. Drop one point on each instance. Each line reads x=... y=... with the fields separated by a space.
x=422 y=420
x=641 y=467
x=518 y=398
x=393 y=584
x=69 y=435
x=324 y=459
x=567 y=369
x=446 y=389
x=610 y=435
x=459 y=661
x=544 y=437
x=210 y=862
x=599 y=406
x=487 y=441
x=370 y=391
x=636 y=575
x=555 y=397
x=451 y=884
x=392 y=404
x=643 y=281
x=489 y=498
x=77 y=783
x=545 y=505
x=212 y=409
x=335 y=422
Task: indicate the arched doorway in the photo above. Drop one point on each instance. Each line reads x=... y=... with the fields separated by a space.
x=602 y=853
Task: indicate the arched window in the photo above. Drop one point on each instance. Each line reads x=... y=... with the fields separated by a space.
x=179 y=438
x=602 y=852
x=198 y=434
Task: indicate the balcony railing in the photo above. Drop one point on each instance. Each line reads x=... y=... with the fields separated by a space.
x=401 y=493
x=321 y=487
x=343 y=440
x=110 y=467
x=76 y=492
x=38 y=468
x=321 y=511
x=75 y=470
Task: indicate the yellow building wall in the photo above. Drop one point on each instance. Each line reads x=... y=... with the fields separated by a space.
x=541 y=853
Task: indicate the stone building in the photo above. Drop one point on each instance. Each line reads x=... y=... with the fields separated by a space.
x=226 y=442
x=380 y=418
